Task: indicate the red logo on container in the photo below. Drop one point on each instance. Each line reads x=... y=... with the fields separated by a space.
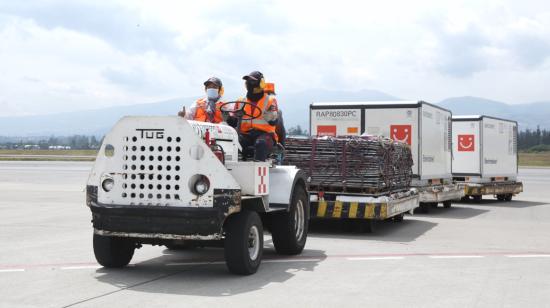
x=402 y=133
x=326 y=130
x=466 y=143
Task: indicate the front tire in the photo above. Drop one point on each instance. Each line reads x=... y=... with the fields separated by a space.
x=447 y=204
x=477 y=198
x=289 y=229
x=113 y=252
x=244 y=242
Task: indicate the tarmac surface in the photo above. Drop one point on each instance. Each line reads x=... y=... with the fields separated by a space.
x=474 y=255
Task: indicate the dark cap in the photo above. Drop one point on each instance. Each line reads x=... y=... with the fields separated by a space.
x=255 y=75
x=214 y=80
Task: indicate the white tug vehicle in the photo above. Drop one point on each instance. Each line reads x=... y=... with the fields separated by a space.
x=173 y=182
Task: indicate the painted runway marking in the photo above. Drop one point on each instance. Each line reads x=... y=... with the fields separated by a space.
x=290 y=260
x=374 y=258
x=347 y=257
x=80 y=267
x=455 y=257
x=194 y=263
x=12 y=270
x=528 y=256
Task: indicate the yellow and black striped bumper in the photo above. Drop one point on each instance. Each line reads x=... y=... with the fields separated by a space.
x=339 y=209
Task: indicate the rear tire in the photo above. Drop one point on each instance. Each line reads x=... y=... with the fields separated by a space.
x=447 y=204
x=244 y=243
x=289 y=229
x=113 y=252
x=477 y=198
x=501 y=197
x=508 y=197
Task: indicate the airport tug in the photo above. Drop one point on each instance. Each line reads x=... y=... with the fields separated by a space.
x=179 y=183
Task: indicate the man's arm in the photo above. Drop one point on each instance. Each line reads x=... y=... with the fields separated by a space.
x=190 y=114
x=272 y=113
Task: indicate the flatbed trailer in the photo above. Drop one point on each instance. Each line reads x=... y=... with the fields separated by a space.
x=363 y=208
x=444 y=193
x=503 y=191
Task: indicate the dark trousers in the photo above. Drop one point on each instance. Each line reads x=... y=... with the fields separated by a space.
x=257 y=144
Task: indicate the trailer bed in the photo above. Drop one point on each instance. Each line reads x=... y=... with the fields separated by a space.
x=383 y=209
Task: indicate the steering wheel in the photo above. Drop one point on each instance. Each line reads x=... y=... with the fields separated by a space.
x=240 y=112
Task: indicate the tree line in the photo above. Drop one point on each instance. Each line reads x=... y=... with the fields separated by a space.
x=534 y=140
x=75 y=142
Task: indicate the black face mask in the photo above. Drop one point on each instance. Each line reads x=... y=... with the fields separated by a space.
x=251 y=86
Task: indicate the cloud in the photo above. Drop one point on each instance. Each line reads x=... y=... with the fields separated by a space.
x=91 y=54
x=120 y=26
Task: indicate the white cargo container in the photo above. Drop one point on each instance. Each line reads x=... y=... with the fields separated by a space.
x=425 y=127
x=485 y=156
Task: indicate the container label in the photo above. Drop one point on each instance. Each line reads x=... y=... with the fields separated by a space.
x=326 y=130
x=402 y=133
x=466 y=143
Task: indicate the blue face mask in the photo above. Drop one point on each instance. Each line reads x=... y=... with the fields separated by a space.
x=212 y=94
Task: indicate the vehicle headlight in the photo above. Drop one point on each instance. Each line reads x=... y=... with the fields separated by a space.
x=201 y=185
x=108 y=184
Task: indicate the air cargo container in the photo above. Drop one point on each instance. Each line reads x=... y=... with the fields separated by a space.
x=426 y=128
x=485 y=157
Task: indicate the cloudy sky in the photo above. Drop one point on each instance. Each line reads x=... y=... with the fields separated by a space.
x=73 y=55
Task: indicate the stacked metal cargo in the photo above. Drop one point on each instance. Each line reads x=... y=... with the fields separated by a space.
x=367 y=165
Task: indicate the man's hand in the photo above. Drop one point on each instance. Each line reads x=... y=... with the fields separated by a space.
x=182 y=112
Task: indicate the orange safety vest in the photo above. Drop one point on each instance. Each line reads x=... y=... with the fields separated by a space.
x=201 y=114
x=247 y=124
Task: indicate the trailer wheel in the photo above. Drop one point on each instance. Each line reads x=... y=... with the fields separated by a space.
x=113 y=252
x=500 y=197
x=399 y=217
x=244 y=242
x=447 y=204
x=508 y=197
x=368 y=225
x=424 y=207
x=477 y=198
x=289 y=229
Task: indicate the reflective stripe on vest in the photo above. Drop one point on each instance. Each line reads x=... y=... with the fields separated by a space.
x=260 y=123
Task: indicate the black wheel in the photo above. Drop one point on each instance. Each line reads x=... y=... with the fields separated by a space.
x=367 y=225
x=424 y=207
x=399 y=217
x=289 y=229
x=477 y=198
x=244 y=242
x=508 y=197
x=447 y=204
x=434 y=204
x=113 y=252
x=465 y=199
x=501 y=197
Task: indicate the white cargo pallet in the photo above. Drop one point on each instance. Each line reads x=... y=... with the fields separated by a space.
x=484 y=149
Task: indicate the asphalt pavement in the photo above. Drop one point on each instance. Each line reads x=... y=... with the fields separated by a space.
x=471 y=255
